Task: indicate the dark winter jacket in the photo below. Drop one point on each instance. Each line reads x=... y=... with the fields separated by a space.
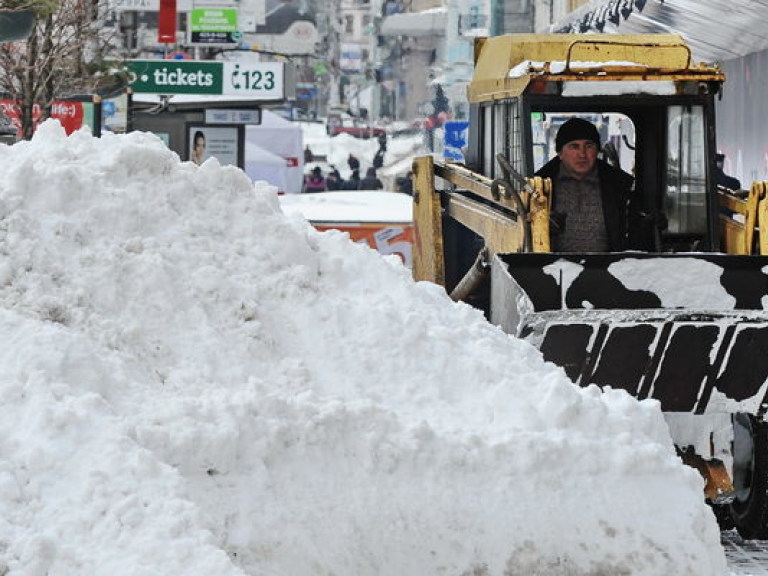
x=728 y=181
x=352 y=184
x=314 y=183
x=378 y=159
x=371 y=181
x=620 y=212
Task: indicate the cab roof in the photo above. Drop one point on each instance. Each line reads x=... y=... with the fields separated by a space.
x=506 y=65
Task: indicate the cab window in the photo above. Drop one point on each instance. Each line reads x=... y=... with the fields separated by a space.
x=685 y=190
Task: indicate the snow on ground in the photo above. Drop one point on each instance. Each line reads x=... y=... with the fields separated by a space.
x=194 y=383
x=336 y=149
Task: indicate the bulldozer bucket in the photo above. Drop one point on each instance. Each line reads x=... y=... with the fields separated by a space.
x=690 y=330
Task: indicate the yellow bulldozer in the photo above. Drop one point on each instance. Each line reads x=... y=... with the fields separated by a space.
x=683 y=316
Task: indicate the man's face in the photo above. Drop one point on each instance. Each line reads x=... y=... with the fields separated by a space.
x=579 y=156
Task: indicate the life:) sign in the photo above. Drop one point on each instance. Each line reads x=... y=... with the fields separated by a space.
x=259 y=81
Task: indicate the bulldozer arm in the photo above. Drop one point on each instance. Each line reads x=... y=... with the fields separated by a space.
x=508 y=217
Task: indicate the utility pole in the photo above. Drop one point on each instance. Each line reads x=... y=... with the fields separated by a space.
x=329 y=26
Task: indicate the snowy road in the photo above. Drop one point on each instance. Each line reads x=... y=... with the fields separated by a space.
x=745 y=557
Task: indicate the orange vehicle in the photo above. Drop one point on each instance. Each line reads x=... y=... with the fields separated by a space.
x=382 y=220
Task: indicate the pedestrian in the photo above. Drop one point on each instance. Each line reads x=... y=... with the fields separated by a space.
x=354 y=163
x=315 y=182
x=405 y=183
x=722 y=178
x=371 y=181
x=333 y=181
x=382 y=142
x=353 y=183
x=308 y=156
x=378 y=159
x=593 y=208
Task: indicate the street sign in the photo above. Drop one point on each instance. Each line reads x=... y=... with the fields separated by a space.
x=455 y=140
x=146 y=5
x=166 y=22
x=236 y=116
x=135 y=5
x=259 y=80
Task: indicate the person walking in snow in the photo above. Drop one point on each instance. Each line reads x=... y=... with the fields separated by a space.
x=378 y=159
x=315 y=182
x=371 y=181
x=334 y=180
x=353 y=183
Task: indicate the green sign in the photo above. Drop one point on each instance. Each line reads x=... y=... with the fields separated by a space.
x=258 y=81
x=320 y=68
x=176 y=77
x=213 y=26
x=213 y=20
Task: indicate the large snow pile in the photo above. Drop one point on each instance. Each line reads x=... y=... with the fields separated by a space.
x=194 y=383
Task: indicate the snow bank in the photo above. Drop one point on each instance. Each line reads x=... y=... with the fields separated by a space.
x=194 y=383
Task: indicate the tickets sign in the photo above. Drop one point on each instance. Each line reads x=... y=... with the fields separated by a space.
x=259 y=80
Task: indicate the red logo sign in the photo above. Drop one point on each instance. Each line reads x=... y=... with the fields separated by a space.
x=70 y=114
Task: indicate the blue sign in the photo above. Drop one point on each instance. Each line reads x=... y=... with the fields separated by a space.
x=455 y=140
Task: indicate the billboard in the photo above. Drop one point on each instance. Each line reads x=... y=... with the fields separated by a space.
x=220 y=142
x=213 y=26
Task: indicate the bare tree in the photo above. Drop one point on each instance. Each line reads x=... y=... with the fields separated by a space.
x=64 y=56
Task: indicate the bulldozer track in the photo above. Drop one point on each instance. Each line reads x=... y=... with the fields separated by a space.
x=745 y=557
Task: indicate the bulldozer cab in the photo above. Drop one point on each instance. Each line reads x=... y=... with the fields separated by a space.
x=652 y=107
x=680 y=318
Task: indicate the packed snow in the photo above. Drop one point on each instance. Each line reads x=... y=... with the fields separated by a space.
x=195 y=383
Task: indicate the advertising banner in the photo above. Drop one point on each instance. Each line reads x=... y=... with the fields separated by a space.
x=221 y=143
x=217 y=26
x=114 y=114
x=71 y=115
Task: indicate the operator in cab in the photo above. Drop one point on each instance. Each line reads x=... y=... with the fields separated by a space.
x=592 y=202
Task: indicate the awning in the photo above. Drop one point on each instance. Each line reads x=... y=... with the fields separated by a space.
x=426 y=23
x=715 y=31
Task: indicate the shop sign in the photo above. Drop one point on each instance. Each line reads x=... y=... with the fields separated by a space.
x=258 y=80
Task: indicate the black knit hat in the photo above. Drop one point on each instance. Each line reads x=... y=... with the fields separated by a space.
x=576 y=129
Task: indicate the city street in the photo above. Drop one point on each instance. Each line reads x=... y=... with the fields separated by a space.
x=745 y=558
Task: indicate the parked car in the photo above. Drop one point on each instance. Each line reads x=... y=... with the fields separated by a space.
x=343 y=124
